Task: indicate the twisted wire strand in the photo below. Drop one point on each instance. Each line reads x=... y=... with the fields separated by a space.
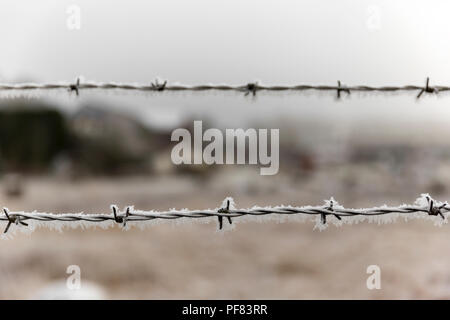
x=426 y=205
x=249 y=88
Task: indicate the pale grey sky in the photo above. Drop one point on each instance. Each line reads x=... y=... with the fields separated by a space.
x=237 y=41
x=227 y=41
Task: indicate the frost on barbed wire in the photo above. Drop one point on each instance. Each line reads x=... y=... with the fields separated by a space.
x=226 y=216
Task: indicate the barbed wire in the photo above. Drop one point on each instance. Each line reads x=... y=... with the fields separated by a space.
x=425 y=207
x=249 y=89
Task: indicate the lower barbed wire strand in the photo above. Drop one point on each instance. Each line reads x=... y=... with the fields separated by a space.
x=425 y=207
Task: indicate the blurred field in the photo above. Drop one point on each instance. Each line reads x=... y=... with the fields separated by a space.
x=269 y=260
x=70 y=151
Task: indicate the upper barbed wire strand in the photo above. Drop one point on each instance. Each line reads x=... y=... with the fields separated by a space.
x=246 y=88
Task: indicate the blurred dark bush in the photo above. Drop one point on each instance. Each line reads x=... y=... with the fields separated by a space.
x=36 y=137
x=31 y=137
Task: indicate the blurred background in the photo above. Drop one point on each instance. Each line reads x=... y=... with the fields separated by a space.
x=62 y=153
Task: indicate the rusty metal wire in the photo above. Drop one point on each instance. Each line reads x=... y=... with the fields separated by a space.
x=249 y=88
x=429 y=207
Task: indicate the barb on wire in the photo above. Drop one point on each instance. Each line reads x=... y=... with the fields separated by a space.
x=75 y=87
x=121 y=219
x=424 y=207
x=249 y=88
x=427 y=89
x=432 y=209
x=342 y=89
x=224 y=210
x=12 y=219
x=159 y=86
x=329 y=204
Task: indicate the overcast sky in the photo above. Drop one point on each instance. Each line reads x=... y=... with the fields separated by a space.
x=285 y=42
